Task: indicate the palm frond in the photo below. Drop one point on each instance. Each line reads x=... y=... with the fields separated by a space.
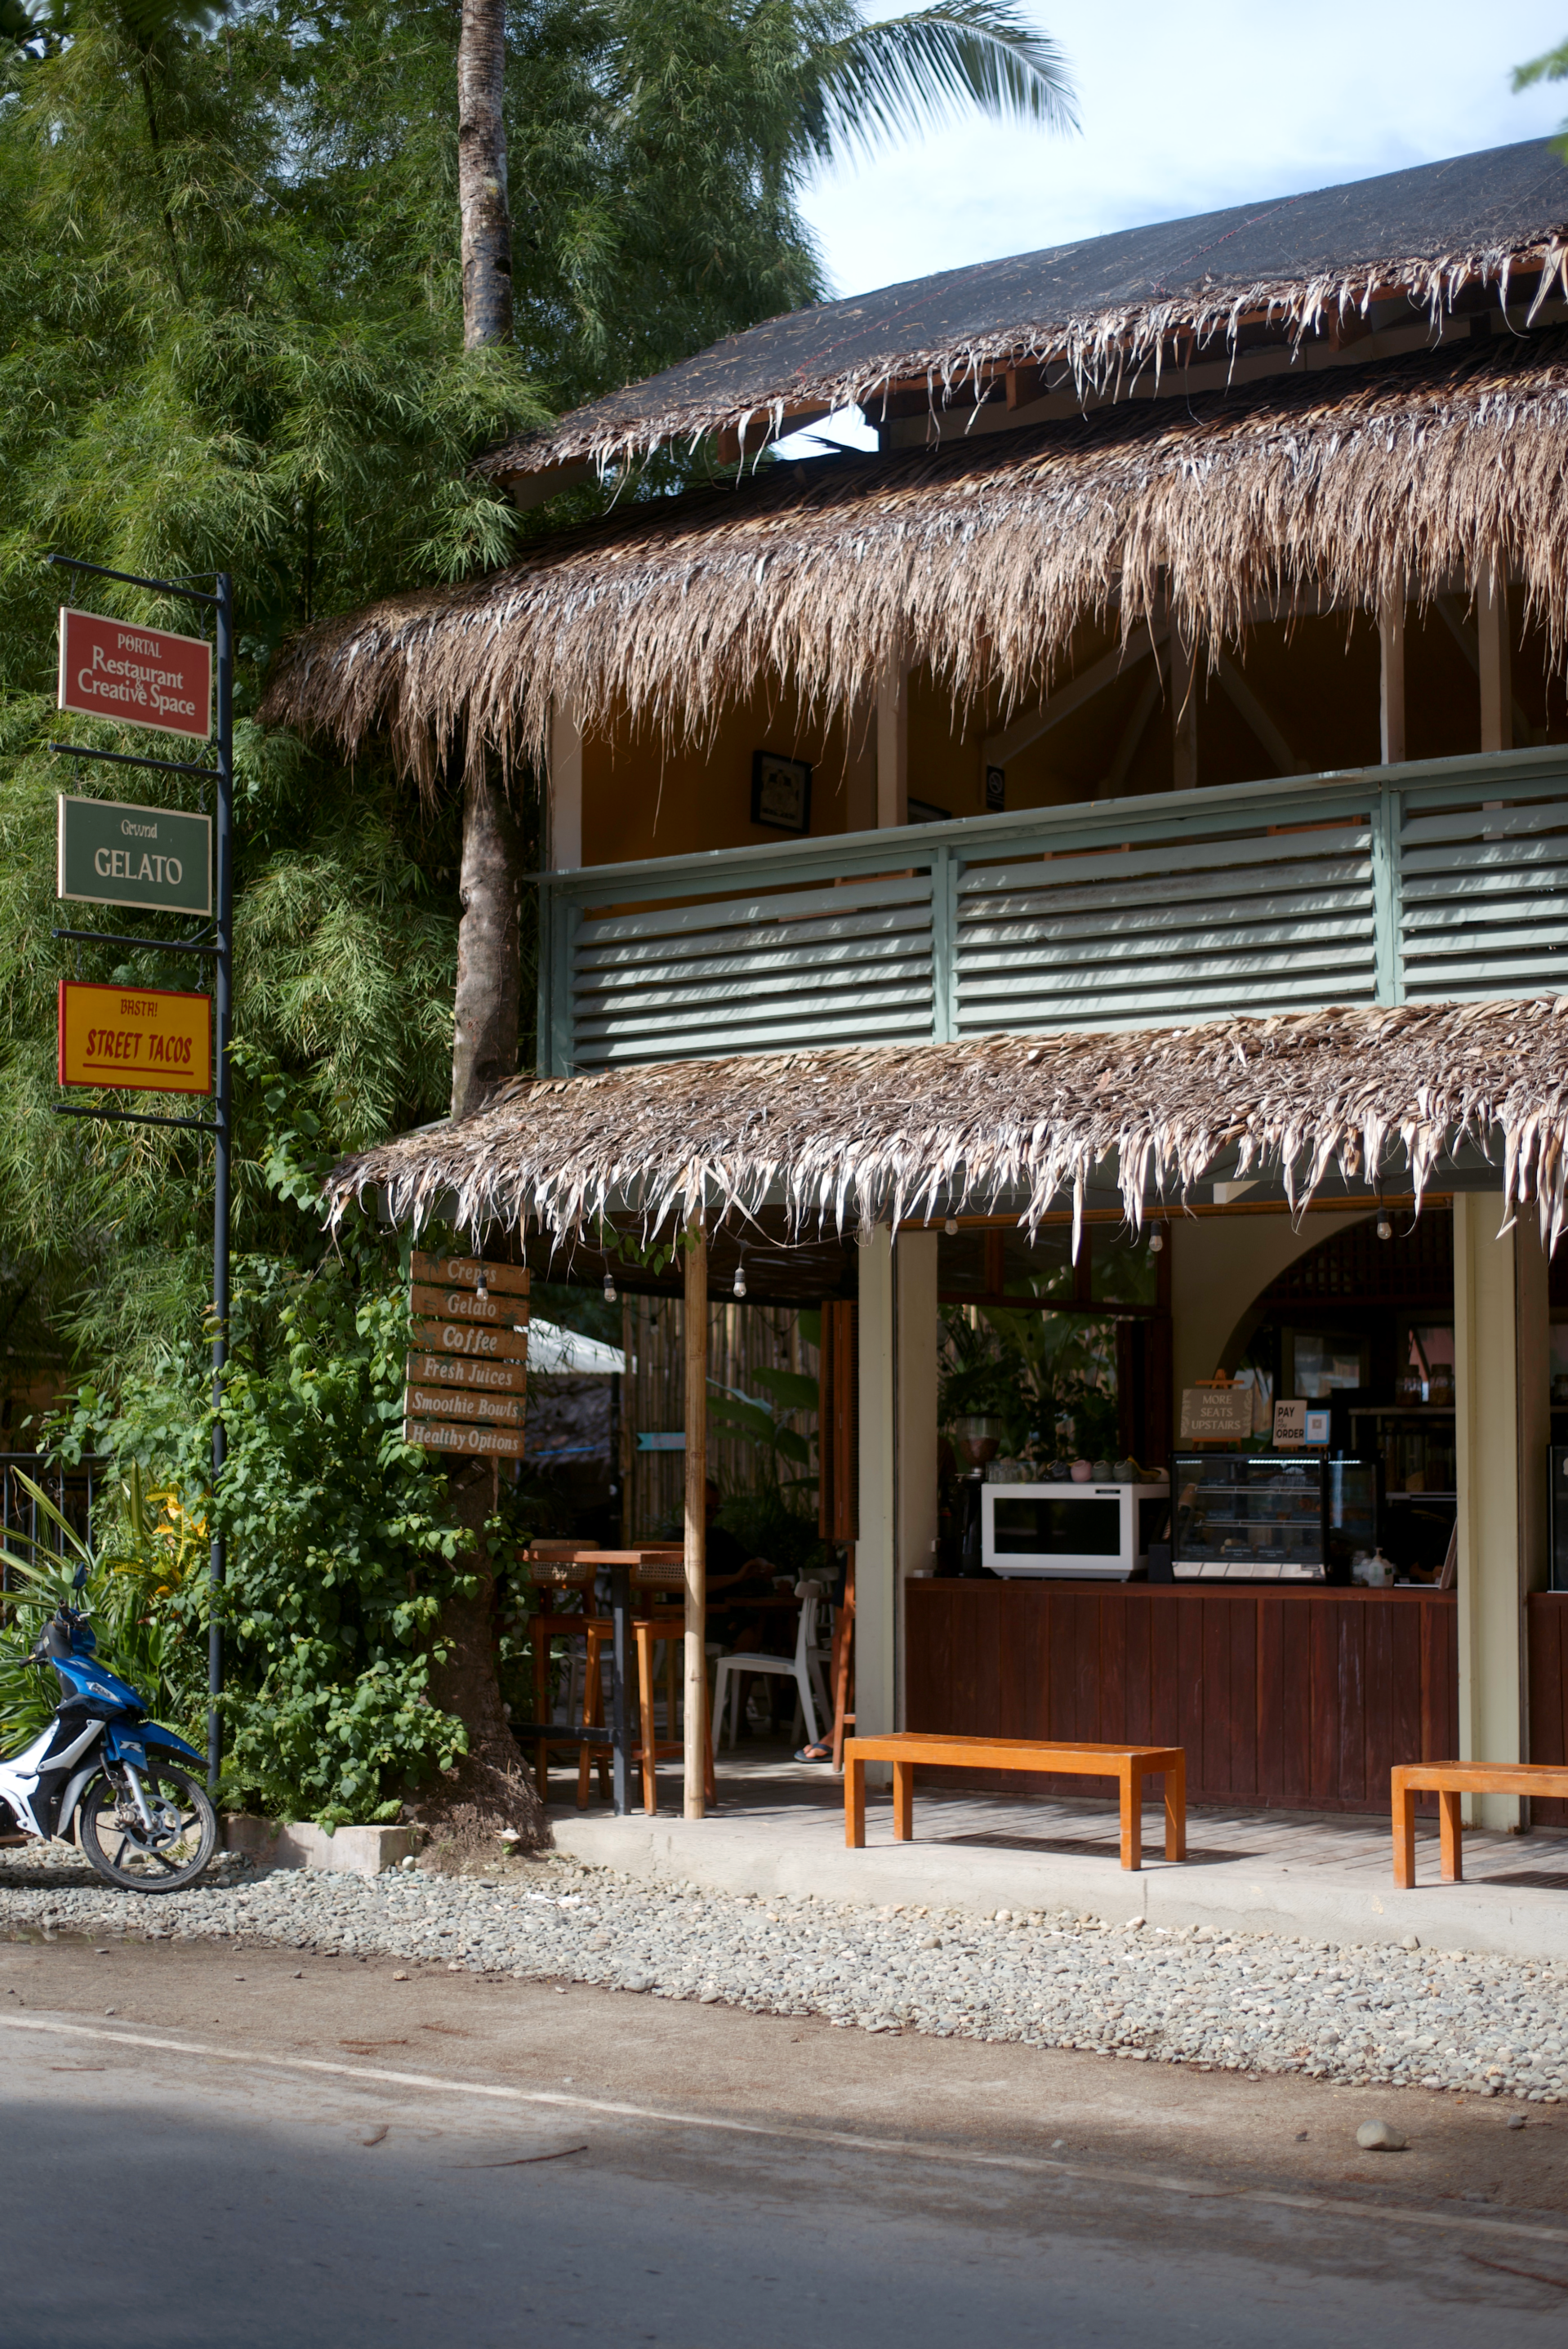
x=41 y=1498
x=897 y=78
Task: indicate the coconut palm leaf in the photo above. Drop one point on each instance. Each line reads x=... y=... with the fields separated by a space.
x=895 y=77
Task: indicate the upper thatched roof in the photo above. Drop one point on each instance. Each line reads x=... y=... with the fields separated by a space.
x=978 y=557
x=845 y=1139
x=1103 y=307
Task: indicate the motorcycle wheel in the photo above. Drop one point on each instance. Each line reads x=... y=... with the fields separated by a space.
x=184 y=1835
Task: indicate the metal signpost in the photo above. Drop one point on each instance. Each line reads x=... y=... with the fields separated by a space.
x=157 y=860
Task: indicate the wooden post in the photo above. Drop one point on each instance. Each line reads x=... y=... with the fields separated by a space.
x=893 y=743
x=565 y=789
x=695 y=1333
x=1391 y=643
x=1496 y=680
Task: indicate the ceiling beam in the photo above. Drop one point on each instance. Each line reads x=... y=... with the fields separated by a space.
x=1465 y=635
x=1113 y=781
x=997 y=748
x=1259 y=717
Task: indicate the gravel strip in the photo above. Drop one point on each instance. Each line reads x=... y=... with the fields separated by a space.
x=1251 y=2003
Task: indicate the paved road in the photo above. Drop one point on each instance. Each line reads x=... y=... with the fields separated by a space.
x=168 y=2179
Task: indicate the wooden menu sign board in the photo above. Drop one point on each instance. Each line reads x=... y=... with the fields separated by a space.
x=468 y=1376
x=482 y=1345
x=488 y=1442
x=463 y=1272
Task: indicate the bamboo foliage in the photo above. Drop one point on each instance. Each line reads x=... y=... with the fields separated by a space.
x=845 y=1139
x=978 y=558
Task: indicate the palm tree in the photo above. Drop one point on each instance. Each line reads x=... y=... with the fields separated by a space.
x=822 y=83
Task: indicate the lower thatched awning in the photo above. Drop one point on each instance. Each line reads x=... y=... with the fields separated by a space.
x=843 y=1140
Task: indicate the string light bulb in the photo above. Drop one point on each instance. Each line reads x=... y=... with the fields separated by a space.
x=481 y=1289
x=609 y=1287
x=1156 y=1243
x=951 y=1227
x=740 y=1279
x=1385 y=1228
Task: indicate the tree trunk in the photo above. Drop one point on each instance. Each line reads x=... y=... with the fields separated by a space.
x=481 y=174
x=484 y=1010
x=490 y=1789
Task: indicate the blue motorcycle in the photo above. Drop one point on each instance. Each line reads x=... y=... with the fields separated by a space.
x=144 y=1822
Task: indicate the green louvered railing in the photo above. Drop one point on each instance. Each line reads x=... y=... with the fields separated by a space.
x=1384 y=884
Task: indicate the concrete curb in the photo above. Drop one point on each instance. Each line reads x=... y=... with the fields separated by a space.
x=296 y=1843
x=757 y=1858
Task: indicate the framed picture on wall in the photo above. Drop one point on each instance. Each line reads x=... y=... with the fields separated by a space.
x=780 y=791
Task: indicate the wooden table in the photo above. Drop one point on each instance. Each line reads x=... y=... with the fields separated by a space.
x=1128 y=1765
x=1449 y=1781
x=620 y=1563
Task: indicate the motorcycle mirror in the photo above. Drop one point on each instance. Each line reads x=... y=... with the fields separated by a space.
x=78 y=1579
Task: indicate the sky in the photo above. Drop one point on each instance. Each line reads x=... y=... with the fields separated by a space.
x=1188 y=106
x=1184 y=108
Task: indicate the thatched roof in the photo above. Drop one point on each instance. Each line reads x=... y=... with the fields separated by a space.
x=978 y=557
x=845 y=1139
x=1098 y=311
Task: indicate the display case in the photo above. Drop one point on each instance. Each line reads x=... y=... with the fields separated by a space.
x=1270 y=1516
x=1416 y=1446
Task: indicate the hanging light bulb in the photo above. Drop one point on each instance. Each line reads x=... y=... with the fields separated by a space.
x=481 y=1289
x=1156 y=1243
x=951 y=1227
x=609 y=1287
x=740 y=1277
x=1385 y=1228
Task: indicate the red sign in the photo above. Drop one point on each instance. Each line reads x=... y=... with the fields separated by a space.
x=142 y=677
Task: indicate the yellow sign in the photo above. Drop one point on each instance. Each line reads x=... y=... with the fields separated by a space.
x=140 y=1038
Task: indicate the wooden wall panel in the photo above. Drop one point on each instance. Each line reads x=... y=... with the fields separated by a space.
x=1283 y=1699
x=1547 y=1631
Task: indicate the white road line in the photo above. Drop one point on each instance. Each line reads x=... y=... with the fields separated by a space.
x=1031 y=2165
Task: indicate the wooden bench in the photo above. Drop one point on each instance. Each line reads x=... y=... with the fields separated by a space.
x=1128 y=1765
x=1449 y=1781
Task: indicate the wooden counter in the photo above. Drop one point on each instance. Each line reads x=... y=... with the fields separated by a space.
x=1297 y=1699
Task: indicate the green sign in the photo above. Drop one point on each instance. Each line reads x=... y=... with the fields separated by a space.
x=111 y=854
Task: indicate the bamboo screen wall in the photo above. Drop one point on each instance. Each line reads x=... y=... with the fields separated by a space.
x=741 y=1339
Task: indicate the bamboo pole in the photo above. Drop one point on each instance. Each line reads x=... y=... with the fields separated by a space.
x=694 y=1319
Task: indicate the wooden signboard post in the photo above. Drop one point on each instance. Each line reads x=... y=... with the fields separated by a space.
x=468 y=1372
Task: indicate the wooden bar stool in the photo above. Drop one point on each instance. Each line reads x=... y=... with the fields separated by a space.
x=559 y=1567
x=662 y=1576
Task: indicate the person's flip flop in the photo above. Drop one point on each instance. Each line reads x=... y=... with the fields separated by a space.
x=820 y=1751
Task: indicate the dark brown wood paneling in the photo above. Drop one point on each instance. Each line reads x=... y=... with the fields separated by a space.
x=1547 y=1630
x=1297 y=1699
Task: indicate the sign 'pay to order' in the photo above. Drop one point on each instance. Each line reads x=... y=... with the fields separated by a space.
x=138 y=1039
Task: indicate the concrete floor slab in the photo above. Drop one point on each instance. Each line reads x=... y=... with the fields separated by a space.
x=780 y=1828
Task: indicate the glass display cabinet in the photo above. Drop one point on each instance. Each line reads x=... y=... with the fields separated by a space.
x=1269 y=1517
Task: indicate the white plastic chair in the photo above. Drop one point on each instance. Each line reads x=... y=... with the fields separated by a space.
x=808 y=1663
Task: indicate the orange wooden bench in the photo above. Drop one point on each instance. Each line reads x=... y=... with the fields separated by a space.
x=1128 y=1765
x=1449 y=1781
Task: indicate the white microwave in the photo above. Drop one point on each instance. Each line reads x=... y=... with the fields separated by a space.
x=1100 y=1531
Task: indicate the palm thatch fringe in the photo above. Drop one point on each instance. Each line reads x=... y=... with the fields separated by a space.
x=845 y=1139
x=979 y=559
x=1095 y=351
